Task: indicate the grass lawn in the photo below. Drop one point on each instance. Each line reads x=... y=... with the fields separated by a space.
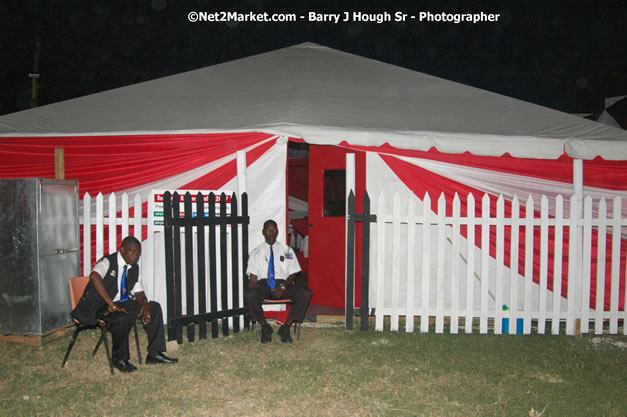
x=328 y=372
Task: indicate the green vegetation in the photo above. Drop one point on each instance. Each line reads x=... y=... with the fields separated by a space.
x=328 y=372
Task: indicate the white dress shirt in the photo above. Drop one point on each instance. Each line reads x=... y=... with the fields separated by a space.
x=285 y=262
x=102 y=267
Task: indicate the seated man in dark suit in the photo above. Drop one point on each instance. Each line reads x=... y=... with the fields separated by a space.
x=273 y=269
x=115 y=294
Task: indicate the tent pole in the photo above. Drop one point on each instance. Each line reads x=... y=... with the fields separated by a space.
x=578 y=192
x=578 y=179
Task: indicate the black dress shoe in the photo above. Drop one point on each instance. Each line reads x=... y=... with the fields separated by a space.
x=284 y=332
x=266 y=333
x=124 y=366
x=159 y=358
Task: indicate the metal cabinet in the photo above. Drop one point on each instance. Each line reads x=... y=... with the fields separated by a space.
x=39 y=252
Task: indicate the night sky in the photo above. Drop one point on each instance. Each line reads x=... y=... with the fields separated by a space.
x=566 y=55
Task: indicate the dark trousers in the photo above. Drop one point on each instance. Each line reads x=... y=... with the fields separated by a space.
x=298 y=293
x=121 y=324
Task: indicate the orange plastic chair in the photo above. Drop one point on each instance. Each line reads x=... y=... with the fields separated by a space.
x=270 y=301
x=77 y=287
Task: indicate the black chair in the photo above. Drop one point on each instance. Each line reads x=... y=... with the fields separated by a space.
x=77 y=287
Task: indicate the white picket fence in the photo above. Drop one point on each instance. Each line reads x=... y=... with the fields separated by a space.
x=401 y=279
x=114 y=222
x=93 y=213
x=111 y=216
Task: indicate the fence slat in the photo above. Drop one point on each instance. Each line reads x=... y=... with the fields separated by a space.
x=586 y=264
x=544 y=262
x=244 y=204
x=500 y=263
x=485 y=263
x=396 y=261
x=169 y=262
x=99 y=225
x=573 y=242
x=616 y=242
x=601 y=250
x=86 y=234
x=177 y=294
x=112 y=221
x=557 y=264
x=213 y=266
x=379 y=312
x=202 y=275
x=470 y=264
x=137 y=216
x=455 y=252
x=124 y=215
x=223 y=266
x=411 y=265
x=426 y=265
x=513 y=313
x=235 y=297
x=365 y=265
x=529 y=211
x=189 y=262
x=350 y=262
x=439 y=296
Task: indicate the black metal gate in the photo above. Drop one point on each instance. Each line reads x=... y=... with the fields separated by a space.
x=366 y=218
x=196 y=221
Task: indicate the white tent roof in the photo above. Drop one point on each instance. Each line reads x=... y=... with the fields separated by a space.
x=326 y=96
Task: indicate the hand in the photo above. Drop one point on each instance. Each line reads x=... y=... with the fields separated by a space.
x=277 y=293
x=145 y=311
x=115 y=309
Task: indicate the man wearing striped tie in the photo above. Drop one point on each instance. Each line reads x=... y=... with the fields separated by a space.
x=273 y=269
x=115 y=293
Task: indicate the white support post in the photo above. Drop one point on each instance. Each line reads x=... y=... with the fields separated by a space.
x=350 y=185
x=241 y=189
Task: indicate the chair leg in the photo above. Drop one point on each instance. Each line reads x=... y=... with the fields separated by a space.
x=297 y=329
x=256 y=328
x=139 y=353
x=103 y=338
x=69 y=348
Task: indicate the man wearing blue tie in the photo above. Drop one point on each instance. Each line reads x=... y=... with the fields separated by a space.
x=273 y=269
x=115 y=294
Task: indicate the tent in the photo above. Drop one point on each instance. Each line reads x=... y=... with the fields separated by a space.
x=412 y=133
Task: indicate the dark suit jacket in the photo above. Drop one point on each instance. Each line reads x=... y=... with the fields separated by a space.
x=91 y=303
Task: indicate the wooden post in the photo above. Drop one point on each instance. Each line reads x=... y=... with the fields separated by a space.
x=59 y=163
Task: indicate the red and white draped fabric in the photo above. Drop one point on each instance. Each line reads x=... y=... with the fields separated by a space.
x=463 y=174
x=127 y=163
x=137 y=164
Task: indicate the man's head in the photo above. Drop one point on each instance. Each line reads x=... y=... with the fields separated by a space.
x=131 y=250
x=270 y=231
